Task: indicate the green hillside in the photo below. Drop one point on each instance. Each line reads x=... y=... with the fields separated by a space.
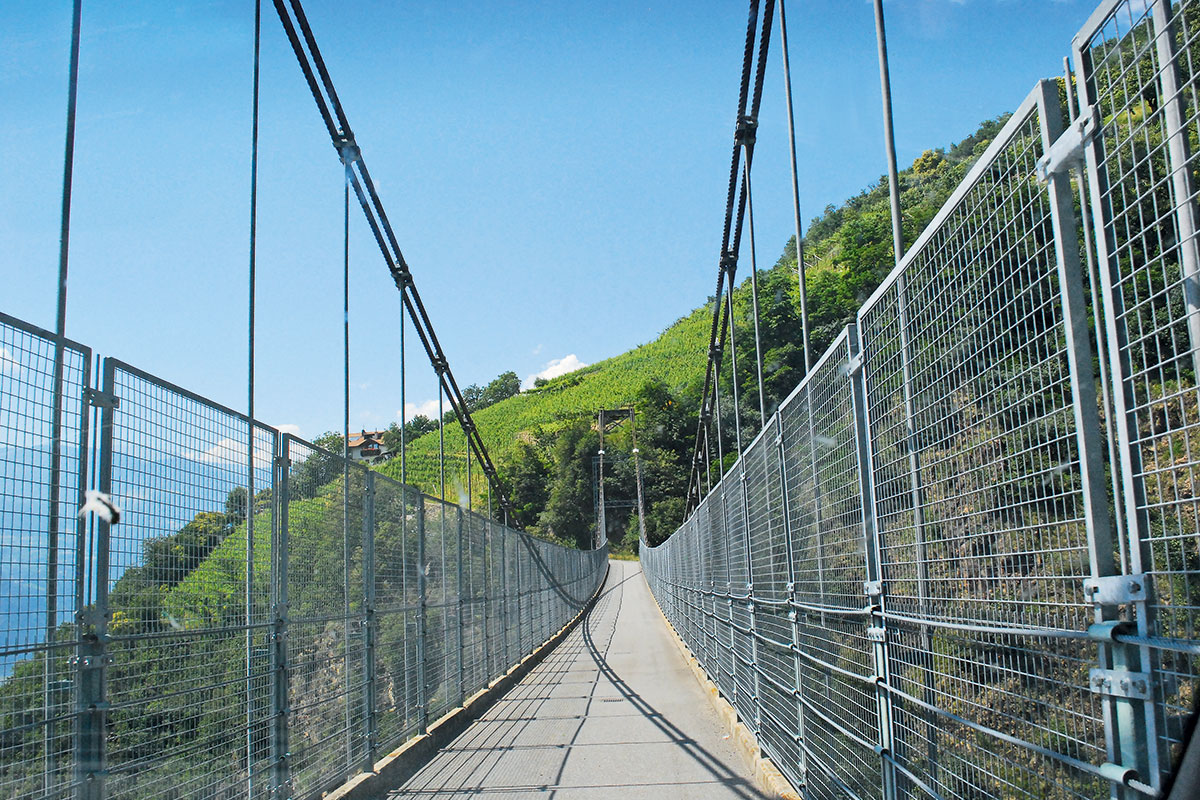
x=675 y=357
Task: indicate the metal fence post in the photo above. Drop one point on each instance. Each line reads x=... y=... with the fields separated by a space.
x=487 y=603
x=422 y=688
x=369 y=621
x=92 y=658
x=756 y=698
x=801 y=755
x=1128 y=721
x=280 y=772
x=504 y=599
x=462 y=690
x=874 y=588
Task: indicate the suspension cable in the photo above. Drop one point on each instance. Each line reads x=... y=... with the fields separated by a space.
x=251 y=303
x=308 y=55
x=753 y=72
x=758 y=356
x=791 y=118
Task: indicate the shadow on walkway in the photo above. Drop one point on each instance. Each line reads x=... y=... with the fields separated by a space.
x=576 y=728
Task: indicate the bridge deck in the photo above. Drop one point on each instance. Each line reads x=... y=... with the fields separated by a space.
x=613 y=711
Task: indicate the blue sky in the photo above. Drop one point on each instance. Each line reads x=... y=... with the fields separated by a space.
x=555 y=172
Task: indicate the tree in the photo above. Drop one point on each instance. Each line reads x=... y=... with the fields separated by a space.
x=570 y=513
x=319 y=468
x=473 y=398
x=506 y=385
x=528 y=475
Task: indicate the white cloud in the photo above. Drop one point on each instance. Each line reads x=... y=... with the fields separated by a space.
x=8 y=363
x=555 y=368
x=288 y=427
x=429 y=409
x=231 y=451
x=538 y=350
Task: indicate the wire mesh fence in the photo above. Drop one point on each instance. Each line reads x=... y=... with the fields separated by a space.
x=43 y=469
x=922 y=578
x=1137 y=67
x=215 y=640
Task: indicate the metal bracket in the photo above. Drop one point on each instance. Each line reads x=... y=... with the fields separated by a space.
x=873 y=588
x=1114 y=590
x=854 y=364
x=99 y=399
x=348 y=150
x=91 y=617
x=746 y=128
x=402 y=278
x=877 y=634
x=1067 y=150
x=1120 y=683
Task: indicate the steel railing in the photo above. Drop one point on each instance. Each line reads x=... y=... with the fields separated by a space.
x=180 y=659
x=925 y=577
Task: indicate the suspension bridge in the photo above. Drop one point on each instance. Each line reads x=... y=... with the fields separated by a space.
x=960 y=560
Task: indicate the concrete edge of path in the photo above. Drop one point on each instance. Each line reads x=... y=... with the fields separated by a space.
x=767 y=777
x=405 y=761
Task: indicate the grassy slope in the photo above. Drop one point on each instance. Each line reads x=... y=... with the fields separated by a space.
x=676 y=357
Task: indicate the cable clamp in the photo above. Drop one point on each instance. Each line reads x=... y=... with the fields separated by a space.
x=746 y=127
x=439 y=365
x=348 y=149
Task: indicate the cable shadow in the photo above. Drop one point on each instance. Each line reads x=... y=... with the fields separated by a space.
x=738 y=785
x=476 y=759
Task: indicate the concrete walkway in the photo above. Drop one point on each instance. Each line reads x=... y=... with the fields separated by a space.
x=613 y=712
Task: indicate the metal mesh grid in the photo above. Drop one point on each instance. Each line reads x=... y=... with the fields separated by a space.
x=37 y=602
x=979 y=500
x=826 y=513
x=189 y=661
x=397 y=603
x=1138 y=66
x=210 y=665
x=441 y=603
x=326 y=654
x=943 y=489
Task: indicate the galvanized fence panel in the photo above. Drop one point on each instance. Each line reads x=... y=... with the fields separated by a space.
x=43 y=466
x=1137 y=67
x=834 y=651
x=183 y=596
x=963 y=619
x=326 y=649
x=169 y=653
x=979 y=490
x=397 y=604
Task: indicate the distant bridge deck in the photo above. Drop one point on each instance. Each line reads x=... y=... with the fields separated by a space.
x=613 y=711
